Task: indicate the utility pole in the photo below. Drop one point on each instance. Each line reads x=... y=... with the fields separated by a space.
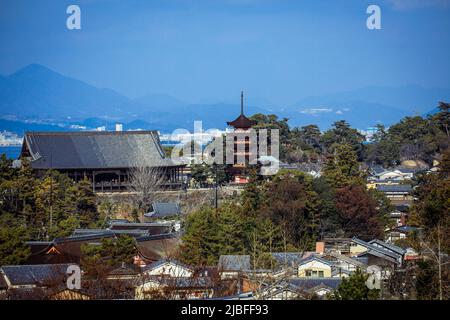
x=216 y=192
x=51 y=188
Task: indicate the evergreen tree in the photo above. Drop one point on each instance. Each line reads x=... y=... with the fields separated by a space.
x=355 y=288
x=342 y=169
x=13 y=236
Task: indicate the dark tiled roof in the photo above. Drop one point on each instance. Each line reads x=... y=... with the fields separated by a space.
x=378 y=254
x=395 y=188
x=389 y=246
x=241 y=122
x=152 y=228
x=95 y=150
x=40 y=275
x=292 y=259
x=100 y=232
x=182 y=282
x=234 y=263
x=164 y=209
x=310 y=283
x=379 y=251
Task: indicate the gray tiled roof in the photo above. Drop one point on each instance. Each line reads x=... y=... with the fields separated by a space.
x=389 y=246
x=234 y=263
x=182 y=282
x=377 y=251
x=395 y=188
x=41 y=275
x=291 y=259
x=317 y=258
x=164 y=209
x=95 y=150
x=310 y=283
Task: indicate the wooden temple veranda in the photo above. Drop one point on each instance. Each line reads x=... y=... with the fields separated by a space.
x=105 y=158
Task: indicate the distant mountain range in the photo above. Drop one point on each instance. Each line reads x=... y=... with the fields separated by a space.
x=55 y=102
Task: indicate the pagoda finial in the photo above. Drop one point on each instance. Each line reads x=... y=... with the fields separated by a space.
x=242 y=102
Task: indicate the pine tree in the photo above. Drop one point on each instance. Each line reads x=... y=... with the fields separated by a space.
x=355 y=288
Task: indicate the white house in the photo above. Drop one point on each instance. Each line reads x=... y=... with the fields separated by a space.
x=168 y=268
x=314 y=267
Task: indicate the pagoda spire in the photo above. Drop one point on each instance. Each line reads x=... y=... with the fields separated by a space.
x=242 y=102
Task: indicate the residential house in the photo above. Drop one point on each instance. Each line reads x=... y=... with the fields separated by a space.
x=33 y=281
x=318 y=287
x=380 y=255
x=342 y=263
x=174 y=288
x=171 y=279
x=388 y=246
x=399 y=194
x=314 y=267
x=168 y=268
x=400 y=232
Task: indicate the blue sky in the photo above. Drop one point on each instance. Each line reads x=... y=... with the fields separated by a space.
x=204 y=50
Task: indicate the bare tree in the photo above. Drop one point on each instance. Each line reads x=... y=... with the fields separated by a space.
x=145 y=182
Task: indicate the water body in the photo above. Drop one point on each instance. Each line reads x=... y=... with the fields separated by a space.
x=12 y=152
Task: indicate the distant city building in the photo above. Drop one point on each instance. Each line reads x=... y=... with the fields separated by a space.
x=119 y=127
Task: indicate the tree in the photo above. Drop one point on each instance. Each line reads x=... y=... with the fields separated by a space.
x=200 y=173
x=97 y=260
x=443 y=118
x=342 y=169
x=209 y=234
x=13 y=235
x=432 y=209
x=85 y=204
x=355 y=288
x=145 y=182
x=340 y=134
x=358 y=212
x=291 y=202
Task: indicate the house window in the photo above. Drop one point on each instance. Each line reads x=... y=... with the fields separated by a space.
x=308 y=273
x=321 y=274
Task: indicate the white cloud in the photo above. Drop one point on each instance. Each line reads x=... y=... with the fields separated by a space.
x=315 y=110
x=339 y=112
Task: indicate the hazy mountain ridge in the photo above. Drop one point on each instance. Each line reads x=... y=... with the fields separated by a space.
x=36 y=92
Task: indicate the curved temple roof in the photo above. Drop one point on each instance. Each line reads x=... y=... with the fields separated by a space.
x=95 y=150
